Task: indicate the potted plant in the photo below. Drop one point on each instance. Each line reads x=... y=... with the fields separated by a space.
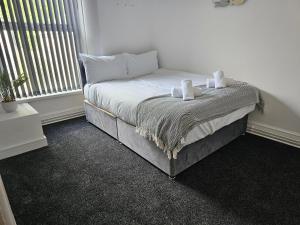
x=9 y=103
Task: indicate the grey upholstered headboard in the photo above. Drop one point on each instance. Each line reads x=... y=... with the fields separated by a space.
x=82 y=73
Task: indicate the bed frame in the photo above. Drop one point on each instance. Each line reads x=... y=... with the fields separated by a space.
x=188 y=156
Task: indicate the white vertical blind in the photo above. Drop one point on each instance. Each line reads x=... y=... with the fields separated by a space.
x=41 y=39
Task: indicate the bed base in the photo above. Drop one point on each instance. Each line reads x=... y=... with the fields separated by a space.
x=187 y=157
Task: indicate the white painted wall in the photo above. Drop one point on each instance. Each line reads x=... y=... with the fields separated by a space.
x=257 y=42
x=58 y=108
x=90 y=26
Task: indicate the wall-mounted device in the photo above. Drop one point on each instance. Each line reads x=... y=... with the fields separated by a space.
x=223 y=3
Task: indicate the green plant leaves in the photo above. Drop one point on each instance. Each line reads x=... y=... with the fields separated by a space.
x=6 y=88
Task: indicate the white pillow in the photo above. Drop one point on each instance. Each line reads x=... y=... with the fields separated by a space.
x=142 y=64
x=103 y=68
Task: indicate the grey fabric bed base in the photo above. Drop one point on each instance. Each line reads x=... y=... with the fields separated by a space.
x=188 y=156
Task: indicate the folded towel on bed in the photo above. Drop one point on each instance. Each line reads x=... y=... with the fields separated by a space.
x=177 y=92
x=210 y=83
x=219 y=78
x=187 y=90
x=221 y=83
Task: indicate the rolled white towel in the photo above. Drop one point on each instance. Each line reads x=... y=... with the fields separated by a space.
x=187 y=90
x=219 y=78
x=218 y=75
x=210 y=83
x=177 y=92
x=221 y=83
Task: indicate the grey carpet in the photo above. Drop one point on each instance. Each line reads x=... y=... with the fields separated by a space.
x=86 y=177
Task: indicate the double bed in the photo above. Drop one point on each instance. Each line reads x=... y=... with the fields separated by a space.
x=112 y=107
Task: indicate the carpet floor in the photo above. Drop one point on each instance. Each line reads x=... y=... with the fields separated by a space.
x=86 y=177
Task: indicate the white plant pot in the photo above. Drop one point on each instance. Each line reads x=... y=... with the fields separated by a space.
x=10 y=106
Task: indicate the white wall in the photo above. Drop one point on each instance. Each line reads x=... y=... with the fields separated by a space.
x=90 y=26
x=59 y=108
x=257 y=42
x=56 y=108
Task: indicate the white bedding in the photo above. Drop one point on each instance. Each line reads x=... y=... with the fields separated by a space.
x=121 y=97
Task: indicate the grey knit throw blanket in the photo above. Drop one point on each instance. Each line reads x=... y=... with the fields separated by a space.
x=166 y=120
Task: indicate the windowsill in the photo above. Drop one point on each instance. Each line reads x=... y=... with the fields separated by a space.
x=49 y=96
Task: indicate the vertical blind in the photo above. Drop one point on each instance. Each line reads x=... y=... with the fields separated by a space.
x=41 y=39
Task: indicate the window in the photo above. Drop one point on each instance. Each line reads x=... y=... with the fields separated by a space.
x=41 y=39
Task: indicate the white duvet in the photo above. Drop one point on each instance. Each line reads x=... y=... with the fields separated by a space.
x=121 y=97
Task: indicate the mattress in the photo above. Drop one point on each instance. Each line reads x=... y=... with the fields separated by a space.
x=121 y=97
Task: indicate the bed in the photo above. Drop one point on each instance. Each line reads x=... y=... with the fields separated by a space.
x=111 y=106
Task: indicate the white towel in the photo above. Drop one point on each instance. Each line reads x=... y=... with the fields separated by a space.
x=210 y=83
x=219 y=78
x=177 y=92
x=218 y=75
x=187 y=90
x=221 y=83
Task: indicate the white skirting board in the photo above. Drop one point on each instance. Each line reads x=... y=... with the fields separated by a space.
x=274 y=133
x=23 y=147
x=266 y=131
x=59 y=116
